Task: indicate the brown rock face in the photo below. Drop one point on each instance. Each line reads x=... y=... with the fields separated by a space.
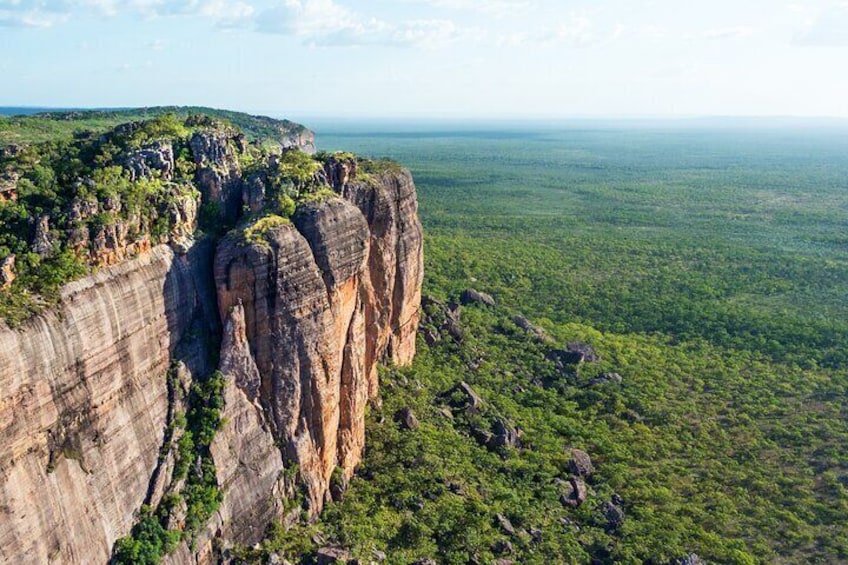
x=248 y=463
x=83 y=409
x=395 y=268
x=302 y=292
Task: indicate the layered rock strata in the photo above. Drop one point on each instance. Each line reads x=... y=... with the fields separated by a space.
x=83 y=409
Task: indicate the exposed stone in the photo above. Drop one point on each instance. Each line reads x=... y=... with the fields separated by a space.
x=607 y=378
x=340 y=172
x=331 y=556
x=502 y=547
x=395 y=267
x=218 y=173
x=42 y=242
x=406 y=418
x=613 y=514
x=574 y=492
x=580 y=463
x=90 y=376
x=7 y=272
x=505 y=525
x=154 y=160
x=471 y=296
x=470 y=400
x=691 y=559
x=504 y=434
x=9 y=186
x=528 y=326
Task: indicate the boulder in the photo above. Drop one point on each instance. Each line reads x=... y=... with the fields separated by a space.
x=528 y=326
x=504 y=434
x=574 y=493
x=580 y=463
x=613 y=514
x=691 y=559
x=471 y=296
x=332 y=555
x=406 y=418
x=505 y=525
x=606 y=378
x=471 y=401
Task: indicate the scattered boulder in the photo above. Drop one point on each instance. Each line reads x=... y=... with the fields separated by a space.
x=378 y=555
x=406 y=418
x=580 y=464
x=575 y=493
x=502 y=547
x=613 y=514
x=505 y=525
x=453 y=328
x=332 y=555
x=504 y=435
x=691 y=559
x=471 y=296
x=471 y=401
x=528 y=326
x=426 y=561
x=607 y=378
x=575 y=353
x=536 y=534
x=431 y=336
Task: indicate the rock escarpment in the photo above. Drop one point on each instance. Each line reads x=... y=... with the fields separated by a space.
x=84 y=405
x=295 y=314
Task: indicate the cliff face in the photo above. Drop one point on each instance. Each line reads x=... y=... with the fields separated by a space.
x=83 y=409
x=304 y=311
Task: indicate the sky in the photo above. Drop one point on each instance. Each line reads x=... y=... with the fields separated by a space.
x=431 y=58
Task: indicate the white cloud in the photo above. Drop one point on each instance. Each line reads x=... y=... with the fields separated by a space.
x=328 y=24
x=736 y=32
x=829 y=28
x=46 y=13
x=496 y=8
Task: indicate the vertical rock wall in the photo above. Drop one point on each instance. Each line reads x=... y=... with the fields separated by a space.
x=83 y=409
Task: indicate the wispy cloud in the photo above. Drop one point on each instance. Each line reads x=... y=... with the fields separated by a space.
x=829 y=28
x=47 y=13
x=496 y=8
x=329 y=24
x=736 y=32
x=577 y=31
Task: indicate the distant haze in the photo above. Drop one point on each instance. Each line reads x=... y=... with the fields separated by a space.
x=431 y=58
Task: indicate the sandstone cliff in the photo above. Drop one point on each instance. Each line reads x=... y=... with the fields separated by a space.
x=296 y=318
x=84 y=405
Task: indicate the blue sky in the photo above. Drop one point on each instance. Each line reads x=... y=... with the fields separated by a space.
x=431 y=58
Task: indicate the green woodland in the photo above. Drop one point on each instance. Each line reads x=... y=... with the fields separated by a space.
x=708 y=268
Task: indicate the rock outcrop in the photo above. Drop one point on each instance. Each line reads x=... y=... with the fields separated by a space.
x=83 y=409
x=299 y=315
